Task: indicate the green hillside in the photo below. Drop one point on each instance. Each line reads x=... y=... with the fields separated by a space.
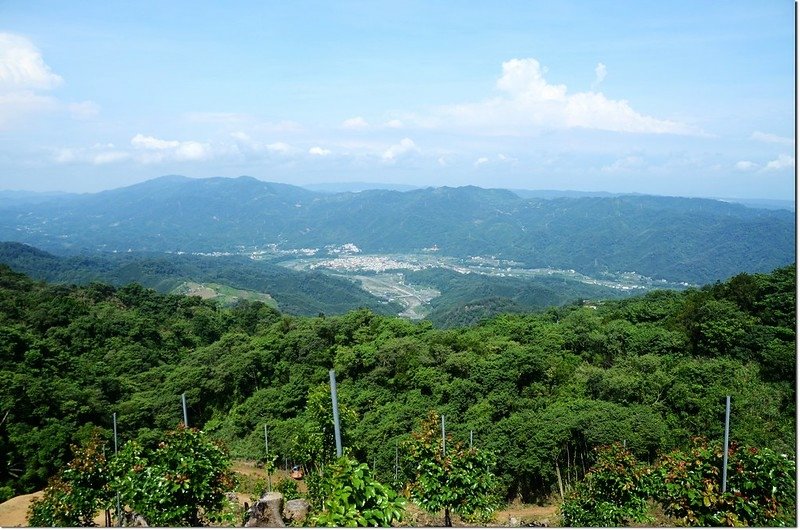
x=540 y=389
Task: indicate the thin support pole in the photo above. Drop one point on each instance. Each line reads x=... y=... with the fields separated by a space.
x=115 y=433
x=396 y=460
x=443 y=442
x=336 y=429
x=119 y=507
x=725 y=453
x=470 y=439
x=267 y=461
x=185 y=414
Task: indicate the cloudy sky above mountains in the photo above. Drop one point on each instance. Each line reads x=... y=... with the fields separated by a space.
x=675 y=98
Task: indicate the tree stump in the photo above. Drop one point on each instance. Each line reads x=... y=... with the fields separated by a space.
x=266 y=512
x=296 y=510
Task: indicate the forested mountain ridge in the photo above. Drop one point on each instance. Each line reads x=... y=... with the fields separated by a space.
x=538 y=389
x=677 y=239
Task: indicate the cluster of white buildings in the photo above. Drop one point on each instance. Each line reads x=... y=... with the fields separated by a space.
x=365 y=263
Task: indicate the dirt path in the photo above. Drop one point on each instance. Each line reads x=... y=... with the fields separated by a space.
x=524 y=514
x=14 y=512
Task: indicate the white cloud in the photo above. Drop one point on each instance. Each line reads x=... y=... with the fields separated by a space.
x=529 y=104
x=771 y=138
x=245 y=143
x=482 y=160
x=782 y=162
x=621 y=165
x=22 y=66
x=150 y=142
x=157 y=150
x=319 y=151
x=109 y=157
x=279 y=147
x=24 y=77
x=241 y=137
x=395 y=124
x=600 y=72
x=405 y=146
x=98 y=154
x=358 y=123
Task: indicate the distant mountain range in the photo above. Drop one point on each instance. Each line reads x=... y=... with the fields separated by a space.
x=341 y=187
x=677 y=239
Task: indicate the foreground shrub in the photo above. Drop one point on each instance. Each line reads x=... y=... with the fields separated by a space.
x=613 y=493
x=462 y=480
x=345 y=494
x=77 y=493
x=760 y=486
x=760 y=490
x=181 y=483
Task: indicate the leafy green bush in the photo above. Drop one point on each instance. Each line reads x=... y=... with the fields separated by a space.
x=344 y=494
x=760 y=490
x=74 y=496
x=288 y=488
x=181 y=483
x=6 y=492
x=461 y=481
x=613 y=493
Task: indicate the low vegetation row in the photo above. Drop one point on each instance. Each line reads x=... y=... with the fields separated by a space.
x=186 y=481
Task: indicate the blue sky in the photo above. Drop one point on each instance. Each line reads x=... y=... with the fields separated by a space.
x=673 y=98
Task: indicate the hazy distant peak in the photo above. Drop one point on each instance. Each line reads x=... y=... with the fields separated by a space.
x=169 y=179
x=356 y=187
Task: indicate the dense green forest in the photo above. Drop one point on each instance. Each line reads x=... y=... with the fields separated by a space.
x=539 y=390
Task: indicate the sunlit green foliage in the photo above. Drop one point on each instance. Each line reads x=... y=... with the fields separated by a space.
x=344 y=493
x=761 y=486
x=455 y=478
x=77 y=493
x=613 y=493
x=182 y=482
x=760 y=489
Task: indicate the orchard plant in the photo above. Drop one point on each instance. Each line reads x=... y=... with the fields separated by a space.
x=613 y=493
x=78 y=493
x=180 y=483
x=461 y=481
x=761 y=486
x=345 y=494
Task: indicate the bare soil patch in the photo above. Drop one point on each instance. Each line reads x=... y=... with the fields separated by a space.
x=14 y=512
